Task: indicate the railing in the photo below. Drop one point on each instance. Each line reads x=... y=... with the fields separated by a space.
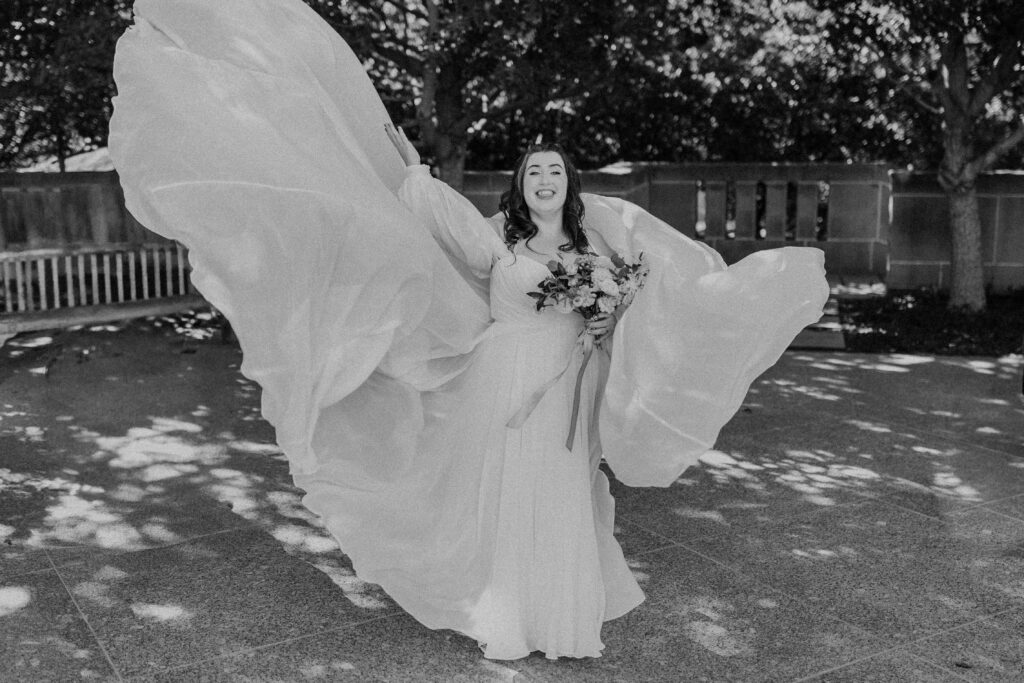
x=44 y=288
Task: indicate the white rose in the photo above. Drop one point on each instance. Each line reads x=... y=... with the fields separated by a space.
x=608 y=287
x=583 y=297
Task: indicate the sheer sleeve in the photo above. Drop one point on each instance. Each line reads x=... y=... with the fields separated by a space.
x=249 y=132
x=461 y=230
x=695 y=338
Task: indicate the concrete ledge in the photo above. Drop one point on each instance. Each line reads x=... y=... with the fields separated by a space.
x=13 y=323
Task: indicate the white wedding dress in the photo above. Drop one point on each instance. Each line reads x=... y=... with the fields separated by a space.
x=390 y=330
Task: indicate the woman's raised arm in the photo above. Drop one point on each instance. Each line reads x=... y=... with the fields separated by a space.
x=457 y=225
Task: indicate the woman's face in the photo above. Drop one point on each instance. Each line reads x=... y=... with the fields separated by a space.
x=545 y=182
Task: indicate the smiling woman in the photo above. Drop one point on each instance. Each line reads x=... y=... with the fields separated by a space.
x=545 y=195
x=392 y=329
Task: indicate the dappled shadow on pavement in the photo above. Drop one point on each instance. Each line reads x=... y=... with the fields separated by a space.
x=885 y=492
x=859 y=512
x=137 y=452
x=151 y=441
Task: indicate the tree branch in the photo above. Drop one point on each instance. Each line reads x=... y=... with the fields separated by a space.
x=401 y=58
x=910 y=83
x=987 y=161
x=954 y=75
x=909 y=89
x=938 y=86
x=428 y=98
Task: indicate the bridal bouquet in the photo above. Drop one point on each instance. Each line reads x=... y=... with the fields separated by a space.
x=591 y=285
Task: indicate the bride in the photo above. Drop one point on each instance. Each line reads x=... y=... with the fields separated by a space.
x=390 y=328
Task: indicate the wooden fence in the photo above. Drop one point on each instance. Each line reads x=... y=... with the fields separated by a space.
x=57 y=209
x=70 y=253
x=44 y=288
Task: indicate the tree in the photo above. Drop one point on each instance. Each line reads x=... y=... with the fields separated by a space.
x=775 y=90
x=961 y=62
x=55 y=76
x=455 y=67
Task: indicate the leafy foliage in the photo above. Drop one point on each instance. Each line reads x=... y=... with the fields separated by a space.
x=962 y=62
x=658 y=80
x=502 y=72
x=935 y=59
x=56 y=59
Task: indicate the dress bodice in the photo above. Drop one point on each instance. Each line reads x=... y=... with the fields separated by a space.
x=512 y=278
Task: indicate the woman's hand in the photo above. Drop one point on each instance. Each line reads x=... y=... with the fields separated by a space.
x=405 y=149
x=601 y=327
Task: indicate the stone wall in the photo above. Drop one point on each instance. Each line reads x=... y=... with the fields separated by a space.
x=920 y=241
x=741 y=208
x=866 y=219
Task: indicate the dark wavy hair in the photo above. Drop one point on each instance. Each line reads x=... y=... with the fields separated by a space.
x=519 y=225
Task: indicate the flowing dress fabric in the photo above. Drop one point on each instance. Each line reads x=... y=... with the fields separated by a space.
x=390 y=330
x=248 y=131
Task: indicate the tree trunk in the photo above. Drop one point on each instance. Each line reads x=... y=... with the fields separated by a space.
x=451 y=136
x=967 y=288
x=441 y=111
x=60 y=144
x=957 y=176
x=451 y=159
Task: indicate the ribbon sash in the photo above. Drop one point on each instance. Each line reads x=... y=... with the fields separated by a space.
x=528 y=407
x=588 y=351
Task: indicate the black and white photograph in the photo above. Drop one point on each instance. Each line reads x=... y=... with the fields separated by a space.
x=512 y=341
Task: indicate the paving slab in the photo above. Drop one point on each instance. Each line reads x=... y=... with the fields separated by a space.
x=925 y=471
x=390 y=648
x=134 y=445
x=858 y=510
x=728 y=489
x=635 y=540
x=1013 y=506
x=17 y=560
x=890 y=571
x=703 y=622
x=890 y=667
x=757 y=417
x=990 y=649
x=977 y=400
x=43 y=637
x=209 y=597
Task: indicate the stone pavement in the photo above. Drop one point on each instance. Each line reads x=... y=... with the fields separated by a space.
x=861 y=519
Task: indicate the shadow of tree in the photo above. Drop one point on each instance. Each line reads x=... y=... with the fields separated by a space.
x=138 y=441
x=154 y=439
x=930 y=434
